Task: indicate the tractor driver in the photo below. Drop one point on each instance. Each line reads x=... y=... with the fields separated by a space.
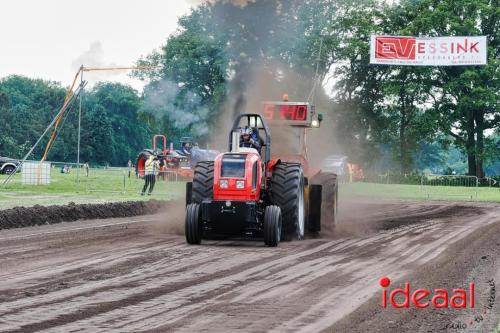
x=246 y=139
x=186 y=148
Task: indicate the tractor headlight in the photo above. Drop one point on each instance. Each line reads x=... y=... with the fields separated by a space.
x=224 y=183
x=240 y=184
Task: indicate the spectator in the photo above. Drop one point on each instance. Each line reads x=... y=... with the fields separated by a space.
x=86 y=167
x=129 y=165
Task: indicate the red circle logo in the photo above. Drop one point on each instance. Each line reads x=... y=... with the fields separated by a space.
x=384 y=282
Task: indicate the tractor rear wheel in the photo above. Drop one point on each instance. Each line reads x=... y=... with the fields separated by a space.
x=203 y=181
x=193 y=224
x=272 y=226
x=287 y=192
x=329 y=202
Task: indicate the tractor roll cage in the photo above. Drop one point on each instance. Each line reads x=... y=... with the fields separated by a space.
x=164 y=141
x=253 y=121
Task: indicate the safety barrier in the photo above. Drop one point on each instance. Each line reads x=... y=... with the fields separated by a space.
x=123 y=180
x=451 y=186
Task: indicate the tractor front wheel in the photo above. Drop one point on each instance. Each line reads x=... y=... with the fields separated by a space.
x=194 y=224
x=272 y=225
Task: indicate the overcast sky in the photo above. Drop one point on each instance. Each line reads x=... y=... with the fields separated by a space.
x=49 y=39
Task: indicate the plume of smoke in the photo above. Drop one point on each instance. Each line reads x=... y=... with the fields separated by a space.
x=254 y=30
x=94 y=57
x=183 y=108
x=259 y=30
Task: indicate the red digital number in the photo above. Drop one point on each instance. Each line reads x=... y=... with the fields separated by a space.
x=287 y=112
x=301 y=113
x=269 y=111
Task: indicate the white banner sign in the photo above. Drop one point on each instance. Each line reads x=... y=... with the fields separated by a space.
x=431 y=51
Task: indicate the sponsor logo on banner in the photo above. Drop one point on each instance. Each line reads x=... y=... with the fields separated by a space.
x=436 y=51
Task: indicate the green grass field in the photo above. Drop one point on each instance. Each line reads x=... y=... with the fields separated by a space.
x=101 y=186
x=114 y=185
x=417 y=192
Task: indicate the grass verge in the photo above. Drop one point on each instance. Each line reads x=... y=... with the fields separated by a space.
x=418 y=192
x=101 y=186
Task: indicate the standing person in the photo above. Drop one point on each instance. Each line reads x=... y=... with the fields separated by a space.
x=86 y=167
x=152 y=166
x=129 y=165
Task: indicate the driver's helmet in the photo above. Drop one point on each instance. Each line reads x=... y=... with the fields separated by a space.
x=246 y=131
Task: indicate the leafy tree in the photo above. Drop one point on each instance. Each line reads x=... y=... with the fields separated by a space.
x=186 y=89
x=113 y=130
x=111 y=120
x=27 y=108
x=465 y=98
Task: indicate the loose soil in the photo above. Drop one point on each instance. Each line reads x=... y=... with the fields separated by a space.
x=138 y=274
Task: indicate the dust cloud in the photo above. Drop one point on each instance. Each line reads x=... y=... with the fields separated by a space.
x=170 y=220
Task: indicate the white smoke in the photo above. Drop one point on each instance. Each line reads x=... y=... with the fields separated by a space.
x=183 y=108
x=94 y=57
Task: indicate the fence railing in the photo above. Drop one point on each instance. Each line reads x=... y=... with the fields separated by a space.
x=449 y=180
x=449 y=186
x=116 y=180
x=67 y=177
x=416 y=179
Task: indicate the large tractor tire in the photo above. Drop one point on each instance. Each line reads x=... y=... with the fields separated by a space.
x=272 y=226
x=203 y=182
x=287 y=192
x=193 y=224
x=329 y=199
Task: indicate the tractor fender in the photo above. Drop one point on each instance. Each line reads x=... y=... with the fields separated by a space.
x=272 y=164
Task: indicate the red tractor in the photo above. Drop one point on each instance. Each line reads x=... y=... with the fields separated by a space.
x=247 y=193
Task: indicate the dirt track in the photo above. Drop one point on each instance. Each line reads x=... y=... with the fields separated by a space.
x=137 y=274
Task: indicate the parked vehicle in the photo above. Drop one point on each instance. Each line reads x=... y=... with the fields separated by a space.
x=8 y=165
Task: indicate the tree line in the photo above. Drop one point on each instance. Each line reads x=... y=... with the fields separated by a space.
x=113 y=130
x=417 y=114
x=226 y=58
